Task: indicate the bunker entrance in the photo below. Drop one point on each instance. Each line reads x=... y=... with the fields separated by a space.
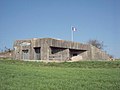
x=76 y=54
x=37 y=54
x=25 y=54
x=56 y=53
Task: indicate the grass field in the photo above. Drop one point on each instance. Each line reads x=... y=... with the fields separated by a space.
x=85 y=75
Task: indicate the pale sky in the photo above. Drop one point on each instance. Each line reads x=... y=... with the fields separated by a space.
x=94 y=19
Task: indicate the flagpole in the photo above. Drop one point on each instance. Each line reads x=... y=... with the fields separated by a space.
x=73 y=29
x=71 y=34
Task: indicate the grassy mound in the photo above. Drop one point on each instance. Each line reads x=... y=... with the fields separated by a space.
x=79 y=64
x=85 y=75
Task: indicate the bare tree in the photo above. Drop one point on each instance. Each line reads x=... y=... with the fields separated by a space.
x=7 y=49
x=111 y=56
x=96 y=43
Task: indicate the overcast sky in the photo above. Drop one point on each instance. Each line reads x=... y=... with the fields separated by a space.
x=94 y=19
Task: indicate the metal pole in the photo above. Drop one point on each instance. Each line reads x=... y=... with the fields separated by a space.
x=72 y=34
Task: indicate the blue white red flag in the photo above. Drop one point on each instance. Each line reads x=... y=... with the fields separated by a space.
x=74 y=29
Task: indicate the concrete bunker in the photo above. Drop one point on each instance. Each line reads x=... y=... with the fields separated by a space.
x=54 y=49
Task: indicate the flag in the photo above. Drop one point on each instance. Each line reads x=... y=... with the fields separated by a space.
x=74 y=29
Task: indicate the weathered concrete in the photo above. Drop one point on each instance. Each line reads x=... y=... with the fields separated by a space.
x=54 y=49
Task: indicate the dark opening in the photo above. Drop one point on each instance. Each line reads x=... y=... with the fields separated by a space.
x=25 y=51
x=75 y=54
x=37 y=49
x=37 y=55
x=56 y=50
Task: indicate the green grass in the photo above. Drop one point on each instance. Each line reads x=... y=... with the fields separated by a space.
x=85 y=75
